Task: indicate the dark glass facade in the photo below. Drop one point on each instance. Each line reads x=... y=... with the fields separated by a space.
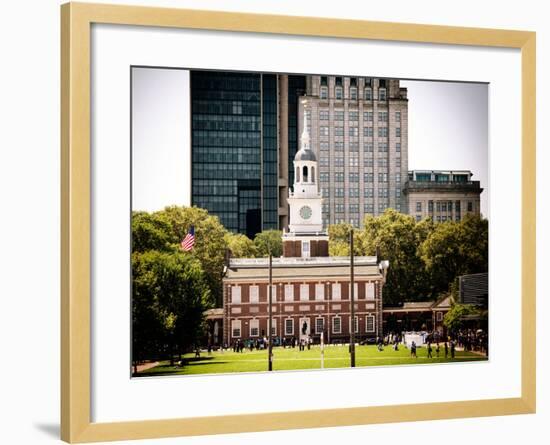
x=296 y=88
x=270 y=218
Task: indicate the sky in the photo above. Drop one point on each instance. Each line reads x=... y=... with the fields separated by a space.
x=448 y=130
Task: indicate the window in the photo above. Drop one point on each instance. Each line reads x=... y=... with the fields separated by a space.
x=398 y=193
x=354 y=177
x=339 y=161
x=323 y=130
x=398 y=116
x=324 y=93
x=254 y=294
x=367 y=132
x=324 y=161
x=382 y=177
x=237 y=107
x=338 y=93
x=382 y=192
x=273 y=327
x=353 y=131
x=470 y=206
x=324 y=177
x=418 y=206
x=430 y=206
x=354 y=208
x=236 y=295
x=443 y=206
x=398 y=147
x=254 y=328
x=305 y=249
x=398 y=162
x=319 y=325
x=438 y=206
x=369 y=323
x=319 y=291
x=323 y=146
x=304 y=292
x=338 y=131
x=368 y=93
x=355 y=324
x=369 y=147
x=339 y=177
x=289 y=326
x=398 y=178
x=367 y=116
x=418 y=218
x=382 y=94
x=339 y=208
x=397 y=132
x=354 y=193
x=354 y=116
x=353 y=93
x=369 y=193
x=383 y=163
x=235 y=328
x=336 y=291
x=354 y=146
x=339 y=115
x=289 y=292
x=368 y=162
x=369 y=177
x=382 y=206
x=323 y=115
x=339 y=146
x=439 y=316
x=339 y=193
x=457 y=206
x=382 y=132
x=369 y=207
x=336 y=325
x=383 y=147
x=355 y=290
x=369 y=291
x=382 y=116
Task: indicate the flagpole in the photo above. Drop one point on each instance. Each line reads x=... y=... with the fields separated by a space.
x=270 y=344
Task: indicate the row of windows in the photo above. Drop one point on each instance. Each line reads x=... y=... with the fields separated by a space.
x=444 y=206
x=354 y=146
x=353 y=93
x=324 y=177
x=353 y=116
x=324 y=131
x=289 y=326
x=319 y=294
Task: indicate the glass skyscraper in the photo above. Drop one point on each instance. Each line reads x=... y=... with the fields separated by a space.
x=236 y=146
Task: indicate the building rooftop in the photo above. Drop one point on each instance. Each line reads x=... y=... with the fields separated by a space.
x=302 y=262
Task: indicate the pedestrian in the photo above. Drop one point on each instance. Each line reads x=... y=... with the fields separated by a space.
x=446 y=349
x=452 y=349
x=197 y=352
x=413 y=349
x=437 y=350
x=429 y=348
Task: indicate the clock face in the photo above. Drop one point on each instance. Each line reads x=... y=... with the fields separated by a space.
x=305 y=212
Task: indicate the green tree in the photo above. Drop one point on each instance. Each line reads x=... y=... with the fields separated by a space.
x=453 y=319
x=338 y=244
x=210 y=243
x=269 y=240
x=150 y=231
x=240 y=245
x=397 y=238
x=456 y=248
x=170 y=295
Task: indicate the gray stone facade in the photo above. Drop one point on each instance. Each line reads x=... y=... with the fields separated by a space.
x=359 y=127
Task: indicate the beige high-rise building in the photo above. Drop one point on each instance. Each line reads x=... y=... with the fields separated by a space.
x=359 y=127
x=442 y=195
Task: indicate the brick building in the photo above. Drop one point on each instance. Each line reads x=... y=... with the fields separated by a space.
x=311 y=292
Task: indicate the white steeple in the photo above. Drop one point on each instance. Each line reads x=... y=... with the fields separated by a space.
x=305 y=200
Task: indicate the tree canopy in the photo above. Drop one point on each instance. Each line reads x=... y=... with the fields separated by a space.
x=269 y=240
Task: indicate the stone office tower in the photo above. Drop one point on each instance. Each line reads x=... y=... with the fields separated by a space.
x=359 y=126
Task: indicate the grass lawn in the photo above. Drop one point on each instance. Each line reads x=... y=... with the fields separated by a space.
x=292 y=359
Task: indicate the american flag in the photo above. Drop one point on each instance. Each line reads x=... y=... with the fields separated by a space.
x=189 y=240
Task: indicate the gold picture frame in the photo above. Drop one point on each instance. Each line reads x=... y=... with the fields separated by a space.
x=76 y=21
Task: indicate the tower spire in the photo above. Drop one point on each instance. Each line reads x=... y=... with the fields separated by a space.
x=305 y=140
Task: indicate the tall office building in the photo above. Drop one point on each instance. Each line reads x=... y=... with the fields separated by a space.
x=243 y=133
x=360 y=128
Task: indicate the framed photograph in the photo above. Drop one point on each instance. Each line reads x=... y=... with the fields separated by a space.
x=320 y=211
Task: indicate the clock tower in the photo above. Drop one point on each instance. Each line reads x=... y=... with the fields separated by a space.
x=305 y=236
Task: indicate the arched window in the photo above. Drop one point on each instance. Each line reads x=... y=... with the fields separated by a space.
x=304 y=173
x=297 y=174
x=312 y=174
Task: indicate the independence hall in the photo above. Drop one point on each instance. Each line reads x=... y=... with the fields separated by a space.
x=311 y=292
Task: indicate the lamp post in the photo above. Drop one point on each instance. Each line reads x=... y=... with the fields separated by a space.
x=270 y=341
x=352 y=302
x=328 y=312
